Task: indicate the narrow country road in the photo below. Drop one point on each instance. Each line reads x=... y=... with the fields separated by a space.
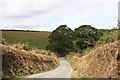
x=63 y=71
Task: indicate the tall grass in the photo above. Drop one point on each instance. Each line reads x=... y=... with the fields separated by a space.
x=34 y=50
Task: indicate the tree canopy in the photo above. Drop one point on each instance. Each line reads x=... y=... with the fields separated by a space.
x=61 y=40
x=64 y=40
x=87 y=35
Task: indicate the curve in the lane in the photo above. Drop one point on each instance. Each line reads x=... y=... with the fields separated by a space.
x=63 y=71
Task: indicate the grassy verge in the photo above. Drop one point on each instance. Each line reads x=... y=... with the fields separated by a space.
x=24 y=76
x=34 y=72
x=77 y=71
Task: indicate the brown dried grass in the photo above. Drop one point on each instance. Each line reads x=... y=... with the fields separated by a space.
x=98 y=63
x=17 y=62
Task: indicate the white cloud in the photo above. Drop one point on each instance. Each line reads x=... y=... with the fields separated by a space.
x=16 y=8
x=51 y=13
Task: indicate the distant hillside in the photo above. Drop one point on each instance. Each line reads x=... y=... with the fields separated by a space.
x=19 y=63
x=100 y=62
x=37 y=39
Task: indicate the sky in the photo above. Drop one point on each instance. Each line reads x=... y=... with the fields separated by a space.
x=119 y=10
x=47 y=15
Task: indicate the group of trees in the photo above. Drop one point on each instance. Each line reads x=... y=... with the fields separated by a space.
x=61 y=40
x=64 y=40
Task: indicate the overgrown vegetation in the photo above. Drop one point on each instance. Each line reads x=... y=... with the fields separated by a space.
x=28 y=48
x=23 y=46
x=108 y=36
x=63 y=40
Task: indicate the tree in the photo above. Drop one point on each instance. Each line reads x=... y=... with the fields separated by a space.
x=61 y=40
x=87 y=35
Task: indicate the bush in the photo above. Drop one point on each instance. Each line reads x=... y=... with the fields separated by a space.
x=108 y=36
x=24 y=46
x=3 y=41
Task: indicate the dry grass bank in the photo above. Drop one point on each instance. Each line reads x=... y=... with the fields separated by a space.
x=100 y=62
x=18 y=62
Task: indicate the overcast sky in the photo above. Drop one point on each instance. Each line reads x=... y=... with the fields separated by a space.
x=46 y=15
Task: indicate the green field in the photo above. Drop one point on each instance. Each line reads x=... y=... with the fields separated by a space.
x=34 y=39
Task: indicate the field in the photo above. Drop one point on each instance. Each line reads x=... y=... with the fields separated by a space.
x=32 y=38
